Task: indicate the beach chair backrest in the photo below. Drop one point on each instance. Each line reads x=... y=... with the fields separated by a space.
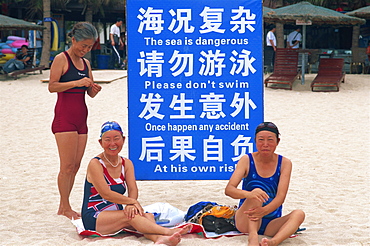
x=331 y=66
x=286 y=61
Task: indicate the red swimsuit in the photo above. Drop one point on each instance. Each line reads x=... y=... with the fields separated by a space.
x=70 y=113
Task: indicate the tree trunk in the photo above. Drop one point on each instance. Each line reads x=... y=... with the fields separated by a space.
x=355 y=36
x=45 y=55
x=89 y=18
x=280 y=35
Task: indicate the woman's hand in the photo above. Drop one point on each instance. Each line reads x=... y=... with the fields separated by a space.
x=258 y=194
x=131 y=211
x=255 y=213
x=95 y=88
x=139 y=208
x=87 y=82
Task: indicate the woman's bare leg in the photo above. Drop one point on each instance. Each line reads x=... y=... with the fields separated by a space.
x=244 y=224
x=282 y=228
x=112 y=221
x=71 y=147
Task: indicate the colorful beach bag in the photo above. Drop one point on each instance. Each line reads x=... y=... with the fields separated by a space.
x=196 y=211
x=219 y=219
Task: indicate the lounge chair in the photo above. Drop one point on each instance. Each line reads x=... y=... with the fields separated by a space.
x=329 y=75
x=28 y=68
x=285 y=69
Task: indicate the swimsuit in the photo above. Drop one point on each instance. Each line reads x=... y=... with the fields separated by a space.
x=269 y=185
x=70 y=113
x=93 y=204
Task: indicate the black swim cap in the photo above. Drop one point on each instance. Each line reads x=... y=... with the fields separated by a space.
x=268 y=126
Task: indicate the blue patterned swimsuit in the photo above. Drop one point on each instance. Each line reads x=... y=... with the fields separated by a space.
x=269 y=185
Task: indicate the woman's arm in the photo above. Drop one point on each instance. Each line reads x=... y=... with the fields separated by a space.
x=58 y=67
x=282 y=190
x=94 y=89
x=132 y=189
x=96 y=177
x=241 y=171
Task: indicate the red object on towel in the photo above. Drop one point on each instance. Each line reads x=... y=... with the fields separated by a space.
x=197 y=229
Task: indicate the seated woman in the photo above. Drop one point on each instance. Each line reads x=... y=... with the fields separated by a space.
x=266 y=177
x=19 y=62
x=105 y=208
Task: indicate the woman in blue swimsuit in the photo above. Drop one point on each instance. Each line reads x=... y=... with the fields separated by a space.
x=106 y=208
x=266 y=177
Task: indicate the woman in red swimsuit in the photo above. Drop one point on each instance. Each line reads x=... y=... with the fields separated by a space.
x=71 y=77
x=111 y=194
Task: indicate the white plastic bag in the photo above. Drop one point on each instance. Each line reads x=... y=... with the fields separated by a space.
x=167 y=215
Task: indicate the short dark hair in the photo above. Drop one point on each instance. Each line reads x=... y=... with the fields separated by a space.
x=24 y=46
x=119 y=19
x=272 y=26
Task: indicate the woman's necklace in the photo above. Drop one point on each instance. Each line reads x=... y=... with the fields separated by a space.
x=111 y=162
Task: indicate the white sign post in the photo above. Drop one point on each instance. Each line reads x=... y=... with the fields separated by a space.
x=303 y=24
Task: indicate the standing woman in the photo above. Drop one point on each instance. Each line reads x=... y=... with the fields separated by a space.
x=266 y=177
x=71 y=77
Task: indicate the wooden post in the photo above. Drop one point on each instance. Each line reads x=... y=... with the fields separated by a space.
x=280 y=35
x=46 y=35
x=356 y=61
x=355 y=36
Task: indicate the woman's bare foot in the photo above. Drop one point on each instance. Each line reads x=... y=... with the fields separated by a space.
x=70 y=214
x=172 y=240
x=253 y=240
x=267 y=242
x=184 y=230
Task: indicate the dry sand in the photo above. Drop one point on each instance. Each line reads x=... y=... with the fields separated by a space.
x=326 y=135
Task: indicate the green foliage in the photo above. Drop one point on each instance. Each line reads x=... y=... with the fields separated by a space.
x=35 y=7
x=354 y=4
x=97 y=6
x=10 y=1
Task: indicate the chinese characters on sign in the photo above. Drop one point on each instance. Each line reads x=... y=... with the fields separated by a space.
x=195 y=86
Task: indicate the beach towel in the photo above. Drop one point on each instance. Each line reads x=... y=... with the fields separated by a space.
x=165 y=215
x=83 y=232
x=198 y=229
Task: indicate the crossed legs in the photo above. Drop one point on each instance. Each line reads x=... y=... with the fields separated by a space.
x=282 y=228
x=279 y=229
x=112 y=221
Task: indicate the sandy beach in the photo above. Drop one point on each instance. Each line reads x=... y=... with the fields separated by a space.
x=326 y=135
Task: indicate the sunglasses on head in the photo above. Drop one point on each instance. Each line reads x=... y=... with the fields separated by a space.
x=267 y=124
